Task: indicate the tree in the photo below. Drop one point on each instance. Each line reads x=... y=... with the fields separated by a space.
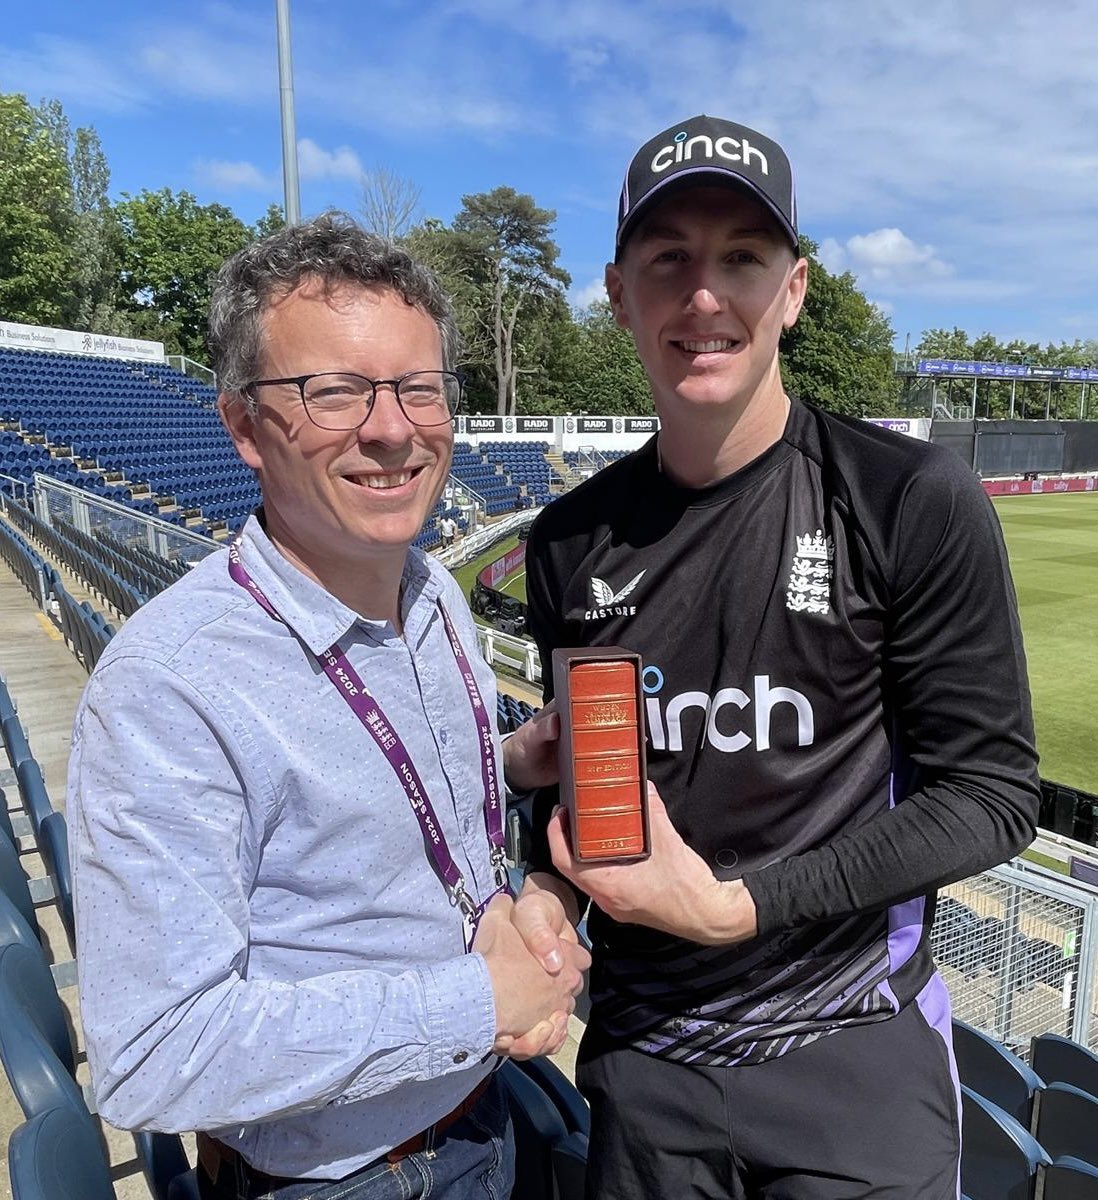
x=96 y=241
x=839 y=354
x=454 y=258
x=271 y=222
x=509 y=240
x=944 y=343
x=172 y=249
x=36 y=215
x=390 y=203
x=591 y=366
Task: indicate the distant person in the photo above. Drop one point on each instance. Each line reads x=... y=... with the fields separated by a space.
x=294 y=930
x=447 y=529
x=838 y=724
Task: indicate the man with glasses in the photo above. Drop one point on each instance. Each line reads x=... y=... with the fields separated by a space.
x=295 y=935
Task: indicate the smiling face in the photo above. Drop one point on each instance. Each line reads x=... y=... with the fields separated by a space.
x=340 y=503
x=706 y=284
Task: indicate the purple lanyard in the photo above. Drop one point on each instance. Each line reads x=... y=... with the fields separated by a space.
x=369 y=712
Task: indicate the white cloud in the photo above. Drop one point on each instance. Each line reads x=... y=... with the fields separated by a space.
x=970 y=128
x=232 y=176
x=885 y=258
x=314 y=162
x=589 y=293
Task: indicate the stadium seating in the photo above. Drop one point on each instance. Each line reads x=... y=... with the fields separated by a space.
x=525 y=465
x=566 y=1098
x=1067 y=1123
x=487 y=479
x=989 y=1069
x=57 y=1155
x=1058 y=1059
x=1068 y=1179
x=32 y=789
x=999 y=1159
x=141 y=434
x=53 y=842
x=13 y=884
x=538 y=1126
x=35 y=1044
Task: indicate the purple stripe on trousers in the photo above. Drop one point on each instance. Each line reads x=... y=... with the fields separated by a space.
x=933 y=1003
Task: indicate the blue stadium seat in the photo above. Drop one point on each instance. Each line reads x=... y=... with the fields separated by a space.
x=53 y=842
x=13 y=883
x=15 y=740
x=6 y=830
x=999 y=1158
x=1069 y=1179
x=990 y=1070
x=1058 y=1059
x=35 y=1044
x=37 y=1053
x=538 y=1126
x=1067 y=1123
x=14 y=928
x=57 y=1155
x=563 y=1093
x=32 y=788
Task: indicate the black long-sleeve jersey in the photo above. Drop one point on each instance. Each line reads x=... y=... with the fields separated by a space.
x=837 y=712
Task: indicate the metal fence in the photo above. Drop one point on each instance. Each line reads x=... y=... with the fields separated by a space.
x=91 y=514
x=1016 y=947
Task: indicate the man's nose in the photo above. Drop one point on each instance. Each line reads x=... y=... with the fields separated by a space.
x=703 y=291
x=387 y=422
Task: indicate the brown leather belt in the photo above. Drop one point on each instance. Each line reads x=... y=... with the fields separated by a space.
x=213 y=1155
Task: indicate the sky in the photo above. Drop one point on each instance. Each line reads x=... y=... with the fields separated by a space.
x=946 y=153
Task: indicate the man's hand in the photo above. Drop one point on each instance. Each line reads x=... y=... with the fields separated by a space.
x=533 y=1004
x=530 y=753
x=672 y=890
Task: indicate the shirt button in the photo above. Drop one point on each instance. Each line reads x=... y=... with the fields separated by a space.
x=461 y=1056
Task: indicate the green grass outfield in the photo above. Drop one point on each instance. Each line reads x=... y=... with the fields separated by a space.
x=1053 y=545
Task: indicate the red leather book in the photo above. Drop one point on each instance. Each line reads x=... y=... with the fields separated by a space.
x=602 y=752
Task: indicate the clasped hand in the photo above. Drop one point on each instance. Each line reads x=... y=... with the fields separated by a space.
x=536 y=966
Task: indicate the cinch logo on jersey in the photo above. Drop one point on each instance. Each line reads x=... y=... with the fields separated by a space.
x=608 y=603
x=724 y=731
x=685 y=148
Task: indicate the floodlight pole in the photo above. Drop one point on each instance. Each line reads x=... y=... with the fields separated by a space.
x=286 y=97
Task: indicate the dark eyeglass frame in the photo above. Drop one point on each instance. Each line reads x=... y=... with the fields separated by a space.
x=302 y=380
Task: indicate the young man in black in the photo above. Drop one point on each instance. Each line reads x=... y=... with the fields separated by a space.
x=838 y=724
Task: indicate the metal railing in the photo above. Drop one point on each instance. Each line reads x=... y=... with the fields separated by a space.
x=16 y=488
x=89 y=513
x=1016 y=947
x=187 y=366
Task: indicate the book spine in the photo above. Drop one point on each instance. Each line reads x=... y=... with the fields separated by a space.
x=609 y=820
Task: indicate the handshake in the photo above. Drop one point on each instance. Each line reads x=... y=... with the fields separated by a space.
x=536 y=965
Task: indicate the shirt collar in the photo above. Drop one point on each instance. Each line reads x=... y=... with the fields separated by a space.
x=314 y=614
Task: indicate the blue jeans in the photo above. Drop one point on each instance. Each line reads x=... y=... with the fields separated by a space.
x=473 y=1160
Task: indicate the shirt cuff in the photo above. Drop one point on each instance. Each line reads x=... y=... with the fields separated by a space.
x=461 y=1012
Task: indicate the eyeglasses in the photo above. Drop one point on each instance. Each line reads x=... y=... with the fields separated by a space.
x=335 y=400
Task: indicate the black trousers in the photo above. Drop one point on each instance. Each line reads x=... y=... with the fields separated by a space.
x=869 y=1111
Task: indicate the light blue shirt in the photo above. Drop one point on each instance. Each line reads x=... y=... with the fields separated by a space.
x=264 y=949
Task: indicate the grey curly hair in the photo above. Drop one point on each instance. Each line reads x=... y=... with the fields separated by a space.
x=332 y=248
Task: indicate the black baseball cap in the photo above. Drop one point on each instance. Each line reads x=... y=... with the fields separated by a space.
x=704 y=150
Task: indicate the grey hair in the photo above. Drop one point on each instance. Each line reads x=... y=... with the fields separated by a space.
x=331 y=248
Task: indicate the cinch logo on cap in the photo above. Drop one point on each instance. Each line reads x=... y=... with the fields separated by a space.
x=684 y=148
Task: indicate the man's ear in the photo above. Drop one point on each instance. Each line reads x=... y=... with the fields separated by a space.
x=238 y=420
x=797 y=290
x=614 y=288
